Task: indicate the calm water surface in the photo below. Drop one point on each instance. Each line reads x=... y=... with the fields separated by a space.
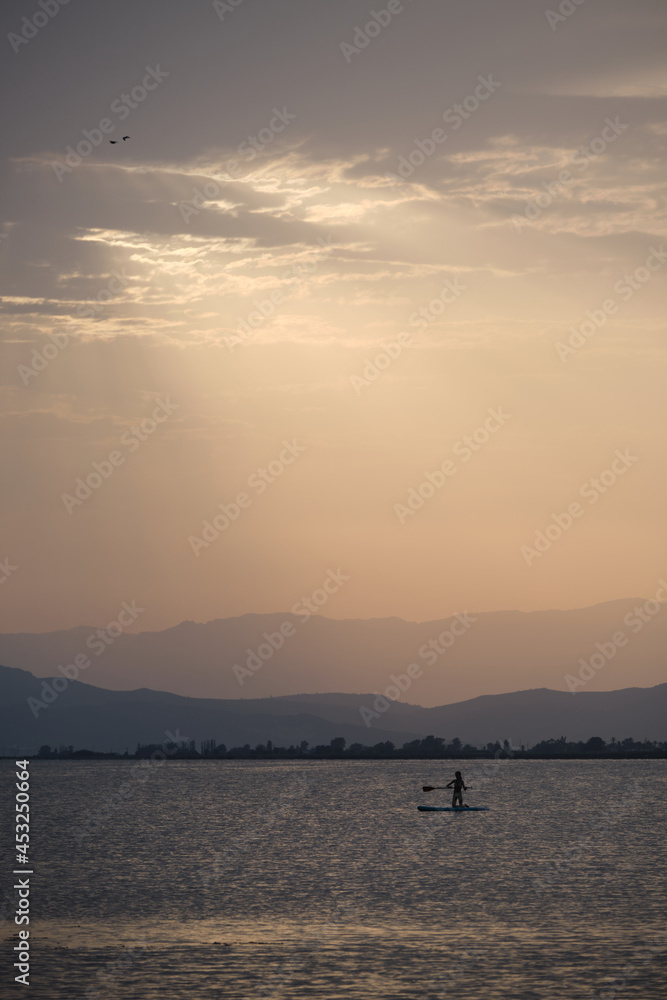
x=246 y=880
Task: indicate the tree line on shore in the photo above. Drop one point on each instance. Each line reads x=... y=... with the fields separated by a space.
x=430 y=747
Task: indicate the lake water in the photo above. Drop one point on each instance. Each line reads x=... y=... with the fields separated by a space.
x=217 y=879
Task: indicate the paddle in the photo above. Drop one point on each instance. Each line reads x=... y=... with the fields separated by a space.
x=433 y=788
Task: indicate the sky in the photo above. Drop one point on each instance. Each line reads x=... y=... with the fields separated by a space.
x=374 y=291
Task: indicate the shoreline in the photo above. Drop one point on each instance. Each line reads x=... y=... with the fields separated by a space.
x=91 y=756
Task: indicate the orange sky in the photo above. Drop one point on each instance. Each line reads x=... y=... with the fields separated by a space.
x=482 y=338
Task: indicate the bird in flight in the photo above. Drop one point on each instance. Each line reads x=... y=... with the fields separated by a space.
x=114 y=141
x=126 y=137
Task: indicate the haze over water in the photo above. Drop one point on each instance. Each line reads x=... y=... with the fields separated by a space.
x=321 y=880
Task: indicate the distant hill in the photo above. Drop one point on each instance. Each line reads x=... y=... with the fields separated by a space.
x=500 y=652
x=97 y=719
x=93 y=718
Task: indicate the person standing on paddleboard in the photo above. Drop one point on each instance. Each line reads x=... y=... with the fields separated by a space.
x=459 y=786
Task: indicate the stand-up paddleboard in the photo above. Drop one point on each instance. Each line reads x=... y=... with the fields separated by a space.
x=452 y=809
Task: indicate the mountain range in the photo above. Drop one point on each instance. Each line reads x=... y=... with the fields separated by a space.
x=268 y=655
x=86 y=716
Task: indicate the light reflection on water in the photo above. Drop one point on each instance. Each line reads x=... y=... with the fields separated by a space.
x=321 y=879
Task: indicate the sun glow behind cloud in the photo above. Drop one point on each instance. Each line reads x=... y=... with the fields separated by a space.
x=255 y=300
